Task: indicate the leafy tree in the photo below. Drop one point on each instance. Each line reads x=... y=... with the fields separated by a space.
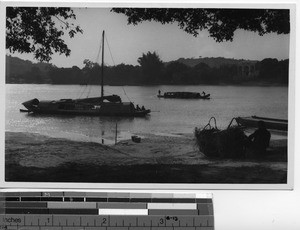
x=123 y=74
x=152 y=66
x=220 y=23
x=66 y=75
x=227 y=73
x=174 y=70
x=202 y=72
x=89 y=64
x=269 y=68
x=284 y=71
x=35 y=74
x=39 y=30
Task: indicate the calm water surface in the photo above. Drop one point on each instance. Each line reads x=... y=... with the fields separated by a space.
x=169 y=116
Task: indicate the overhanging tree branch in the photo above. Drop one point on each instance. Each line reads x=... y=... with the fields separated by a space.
x=220 y=23
x=33 y=30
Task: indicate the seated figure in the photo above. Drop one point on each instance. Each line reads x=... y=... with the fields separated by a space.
x=260 y=139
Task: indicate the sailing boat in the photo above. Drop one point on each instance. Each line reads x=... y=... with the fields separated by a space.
x=110 y=105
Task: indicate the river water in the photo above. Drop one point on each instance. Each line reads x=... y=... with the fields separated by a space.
x=168 y=117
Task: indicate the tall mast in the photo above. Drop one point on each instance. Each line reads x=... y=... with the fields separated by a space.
x=102 y=66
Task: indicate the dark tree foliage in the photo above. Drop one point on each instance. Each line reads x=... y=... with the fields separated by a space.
x=173 y=71
x=124 y=74
x=284 y=71
x=89 y=64
x=152 y=66
x=220 y=23
x=271 y=68
x=65 y=75
x=39 y=30
x=268 y=68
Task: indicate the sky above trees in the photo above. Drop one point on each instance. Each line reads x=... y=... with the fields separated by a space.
x=128 y=42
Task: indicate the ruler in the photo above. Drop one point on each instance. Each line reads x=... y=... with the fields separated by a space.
x=105 y=211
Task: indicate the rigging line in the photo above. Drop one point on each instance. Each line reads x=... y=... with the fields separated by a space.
x=126 y=94
x=98 y=54
x=83 y=90
x=110 y=92
x=80 y=92
x=97 y=62
x=110 y=51
x=90 y=88
x=99 y=51
x=115 y=65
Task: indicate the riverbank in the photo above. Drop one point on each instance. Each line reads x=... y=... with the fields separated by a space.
x=255 y=82
x=157 y=159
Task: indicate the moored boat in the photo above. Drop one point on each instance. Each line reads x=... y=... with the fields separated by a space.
x=109 y=105
x=184 y=95
x=77 y=107
x=270 y=123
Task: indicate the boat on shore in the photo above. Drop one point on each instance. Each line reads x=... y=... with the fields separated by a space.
x=184 y=95
x=270 y=123
x=105 y=105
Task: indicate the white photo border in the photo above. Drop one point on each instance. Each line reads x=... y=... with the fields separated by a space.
x=182 y=186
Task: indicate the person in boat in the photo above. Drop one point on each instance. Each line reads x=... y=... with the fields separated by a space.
x=260 y=139
x=159 y=92
x=203 y=93
x=143 y=108
x=138 y=108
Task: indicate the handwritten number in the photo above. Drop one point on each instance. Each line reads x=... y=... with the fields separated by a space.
x=161 y=220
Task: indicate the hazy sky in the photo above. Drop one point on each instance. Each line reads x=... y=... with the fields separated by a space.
x=128 y=42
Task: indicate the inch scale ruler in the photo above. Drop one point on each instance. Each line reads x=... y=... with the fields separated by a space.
x=105 y=211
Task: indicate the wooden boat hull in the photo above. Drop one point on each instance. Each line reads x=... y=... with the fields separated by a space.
x=270 y=123
x=184 y=95
x=92 y=113
x=74 y=107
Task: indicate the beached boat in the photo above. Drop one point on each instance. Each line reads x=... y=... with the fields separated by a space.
x=270 y=123
x=184 y=95
x=110 y=105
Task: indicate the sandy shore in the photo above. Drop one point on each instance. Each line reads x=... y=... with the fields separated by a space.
x=169 y=155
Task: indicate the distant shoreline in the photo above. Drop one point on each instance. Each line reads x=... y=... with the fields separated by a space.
x=199 y=71
x=250 y=83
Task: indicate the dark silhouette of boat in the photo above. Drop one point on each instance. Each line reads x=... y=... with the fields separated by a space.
x=184 y=95
x=270 y=123
x=110 y=105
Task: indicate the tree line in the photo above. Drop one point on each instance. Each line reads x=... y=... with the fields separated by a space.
x=152 y=71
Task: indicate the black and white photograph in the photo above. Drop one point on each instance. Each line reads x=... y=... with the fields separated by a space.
x=148 y=95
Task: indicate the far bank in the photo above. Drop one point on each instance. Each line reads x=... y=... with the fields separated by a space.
x=206 y=71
